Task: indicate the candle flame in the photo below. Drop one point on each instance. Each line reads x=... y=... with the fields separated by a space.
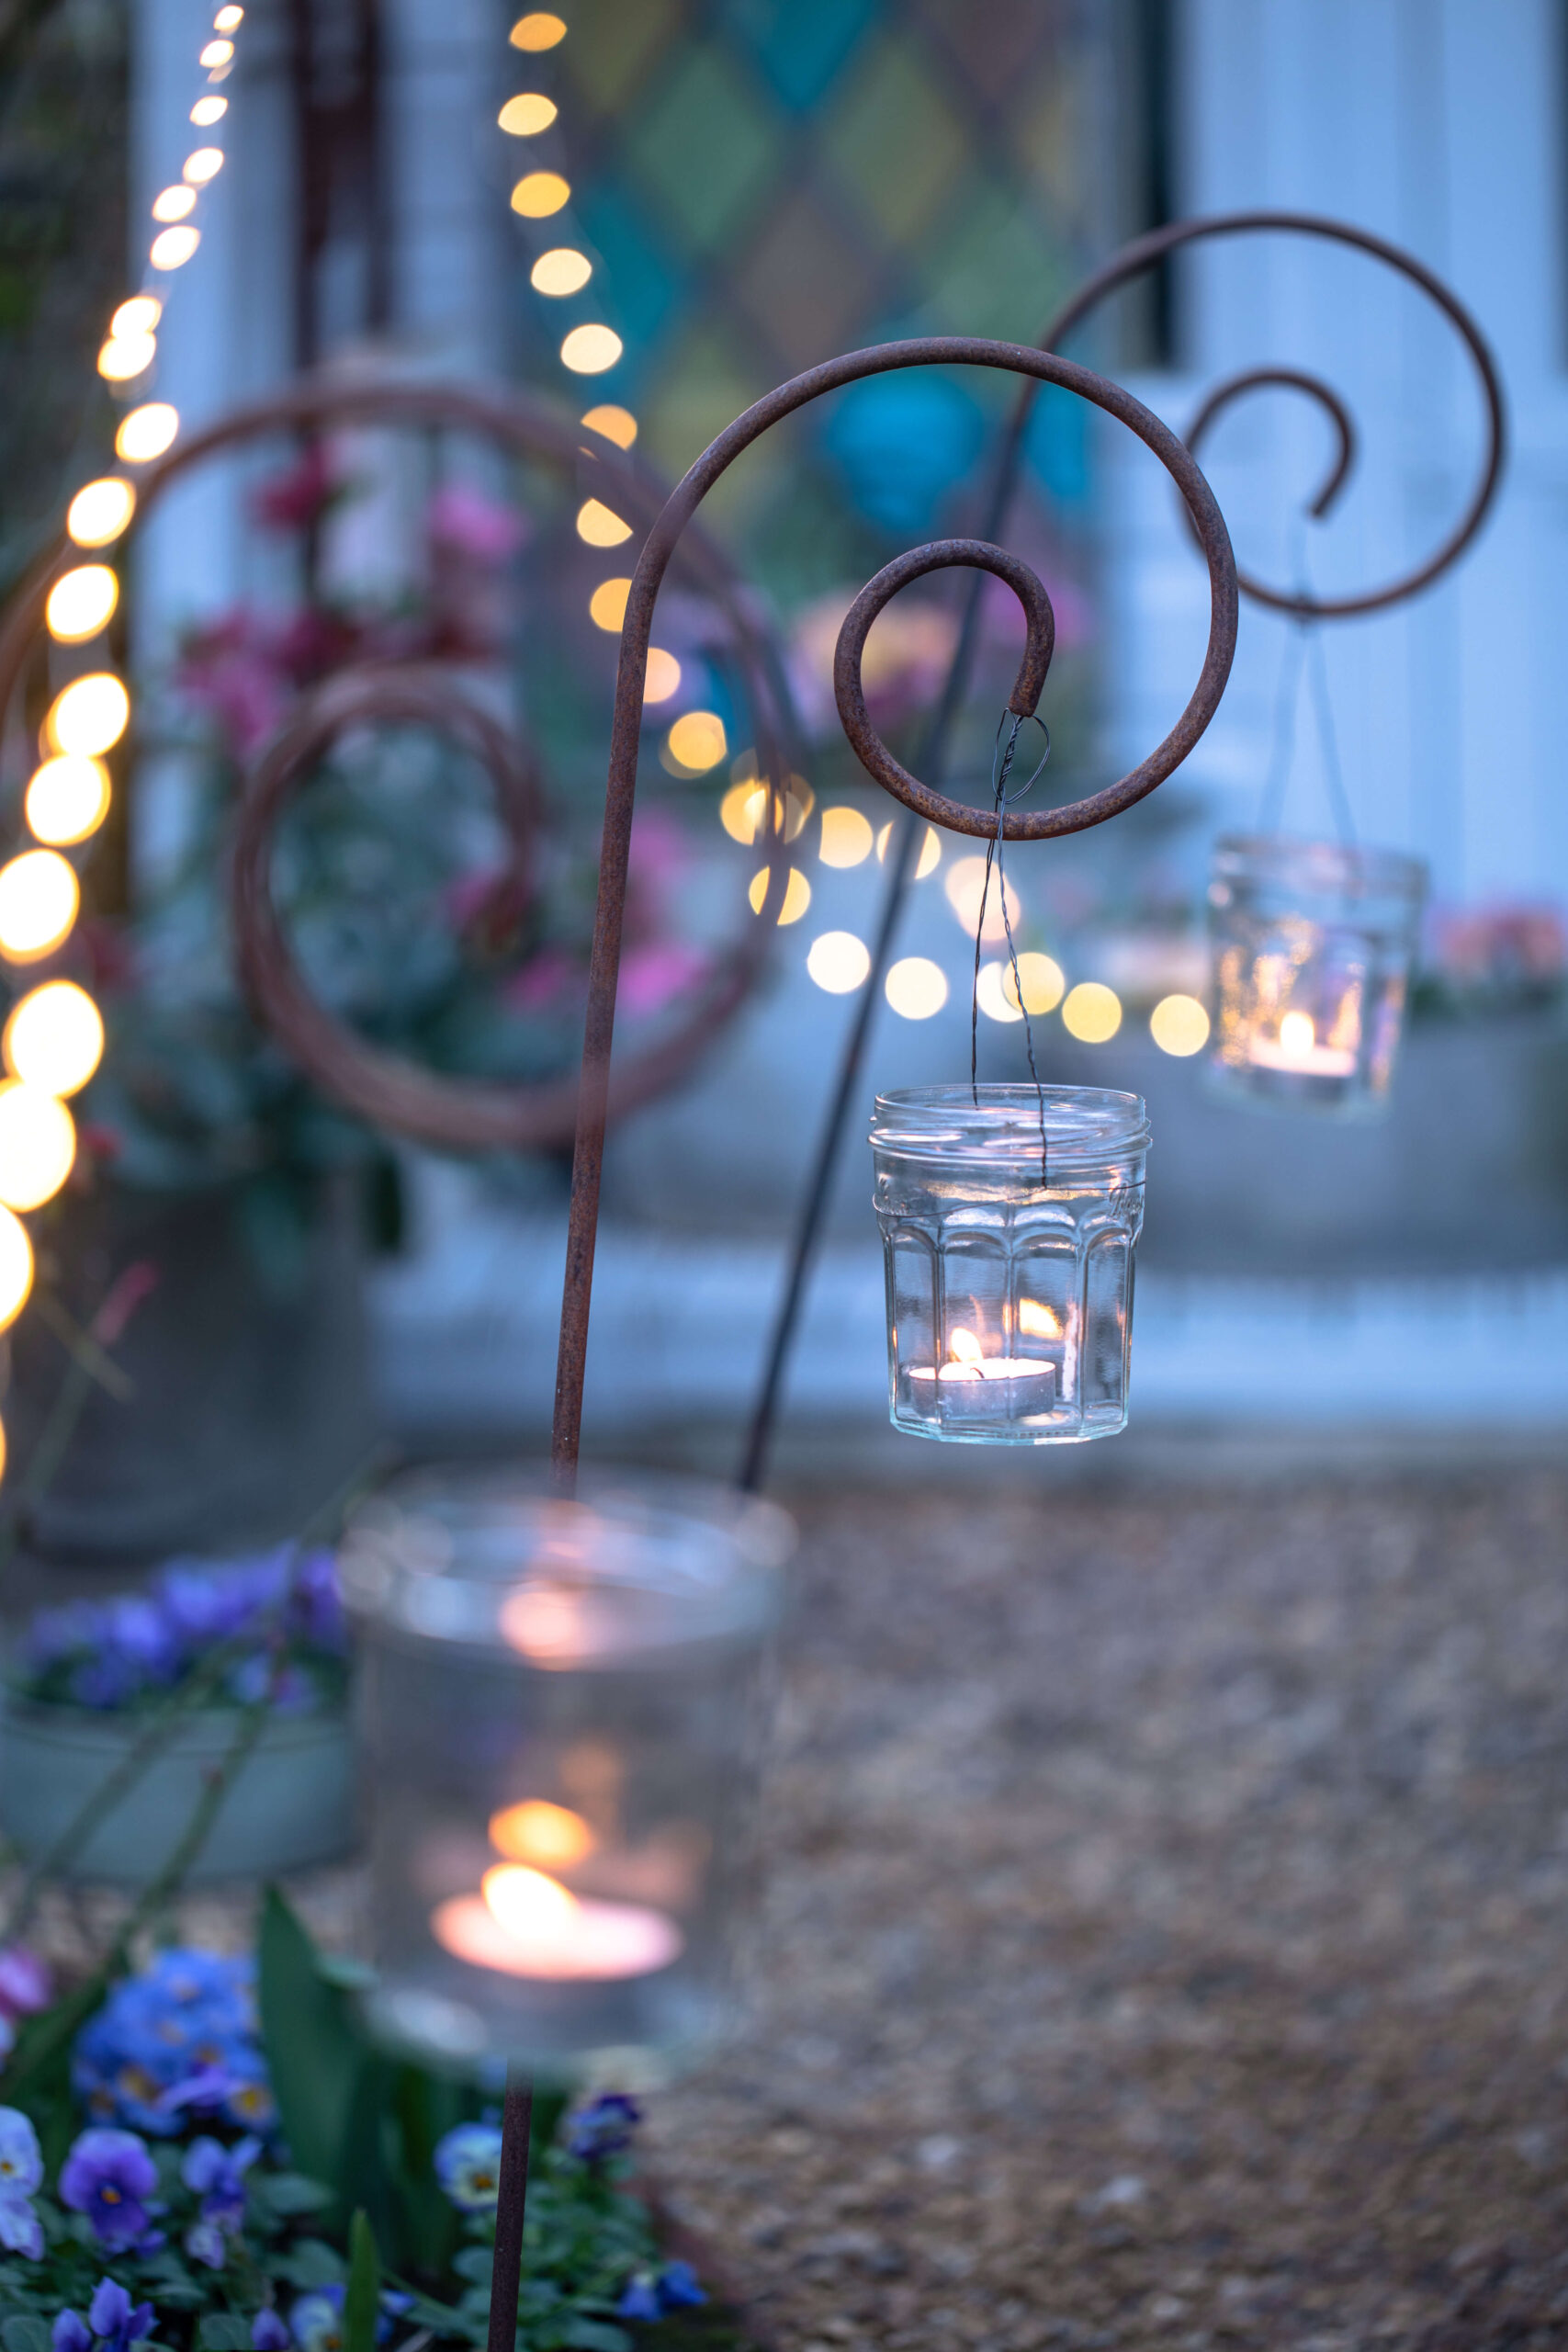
x=1038 y=1321
x=550 y=1836
x=526 y=1903
x=963 y=1346
x=1297 y=1034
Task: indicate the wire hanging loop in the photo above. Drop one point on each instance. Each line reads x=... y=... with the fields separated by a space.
x=1002 y=756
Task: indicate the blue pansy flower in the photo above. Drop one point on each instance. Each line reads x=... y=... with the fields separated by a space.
x=468 y=2165
x=315 y=2321
x=21 y=2171
x=269 y=2331
x=653 y=2294
x=110 y=2176
x=603 y=2127
x=113 y=2323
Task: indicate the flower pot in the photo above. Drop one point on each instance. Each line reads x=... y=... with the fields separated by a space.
x=290 y=1806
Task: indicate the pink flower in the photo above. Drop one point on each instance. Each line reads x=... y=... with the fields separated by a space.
x=463 y=521
x=139 y=1281
x=543 y=981
x=654 y=976
x=25 y=1985
x=230 y=671
x=301 y=494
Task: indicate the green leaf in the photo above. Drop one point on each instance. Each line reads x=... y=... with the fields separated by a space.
x=24 y=2335
x=309 y=2264
x=223 y=2332
x=290 y=2192
x=597 y=2336
x=314 y=2054
x=362 y=2301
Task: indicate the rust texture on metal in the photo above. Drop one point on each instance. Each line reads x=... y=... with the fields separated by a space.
x=448 y=1113
x=1145 y=253
x=940 y=350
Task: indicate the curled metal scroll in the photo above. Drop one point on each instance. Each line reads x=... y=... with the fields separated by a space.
x=1145 y=253
x=930 y=351
x=450 y=1112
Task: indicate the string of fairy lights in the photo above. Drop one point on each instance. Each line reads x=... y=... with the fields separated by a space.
x=839 y=961
x=53 y=1039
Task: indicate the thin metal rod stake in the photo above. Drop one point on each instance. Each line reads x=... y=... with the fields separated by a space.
x=511 y=2205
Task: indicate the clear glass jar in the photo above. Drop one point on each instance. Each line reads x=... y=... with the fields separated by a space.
x=1009 y=1300
x=562 y=1707
x=1312 y=948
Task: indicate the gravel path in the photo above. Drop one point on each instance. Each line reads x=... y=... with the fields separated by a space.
x=1164 y=1943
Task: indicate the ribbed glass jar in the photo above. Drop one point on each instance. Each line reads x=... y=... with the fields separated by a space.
x=1312 y=946
x=1010 y=1299
x=562 y=1707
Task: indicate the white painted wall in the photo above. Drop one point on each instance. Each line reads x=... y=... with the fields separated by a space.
x=1435 y=123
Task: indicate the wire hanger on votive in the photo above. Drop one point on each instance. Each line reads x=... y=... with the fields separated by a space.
x=1304 y=650
x=1001 y=765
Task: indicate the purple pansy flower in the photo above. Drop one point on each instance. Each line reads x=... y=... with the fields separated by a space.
x=218 y=2175
x=110 y=2176
x=602 y=2128
x=113 y=2323
x=21 y=2171
x=25 y=1985
x=71 y=2333
x=269 y=2332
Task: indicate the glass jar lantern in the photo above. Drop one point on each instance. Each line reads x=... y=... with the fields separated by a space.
x=1010 y=1299
x=562 y=1707
x=1311 y=945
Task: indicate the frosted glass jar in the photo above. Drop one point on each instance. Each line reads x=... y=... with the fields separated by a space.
x=562 y=1707
x=1009 y=1300
x=1312 y=946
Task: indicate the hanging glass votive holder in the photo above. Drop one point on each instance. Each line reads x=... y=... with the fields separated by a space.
x=562 y=1710
x=1312 y=946
x=1010 y=1299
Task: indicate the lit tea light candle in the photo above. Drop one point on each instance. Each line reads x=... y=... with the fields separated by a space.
x=975 y=1386
x=1297 y=1051
x=524 y=1923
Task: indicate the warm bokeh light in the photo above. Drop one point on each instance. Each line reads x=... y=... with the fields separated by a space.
x=664 y=675
x=1038 y=1321
x=588 y=351
x=99 y=511
x=550 y=1836
x=1092 y=1012
x=125 y=356
x=38 y=1145
x=89 y=716
x=203 y=165
x=229 y=19
x=916 y=988
x=138 y=316
x=698 y=740
x=600 y=525
x=1042 y=979
x=846 y=837
x=797 y=897
x=1297 y=1034
x=146 y=431
x=67 y=798
x=563 y=270
x=538 y=194
x=80 y=603
x=929 y=857
x=172 y=248
x=839 y=962
x=990 y=997
x=207 y=111
x=537 y=30
x=16 y=1267
x=743 y=812
x=527 y=114
x=173 y=203
x=1179 y=1024
x=215 y=53
x=964 y=885
x=54 y=1038
x=608 y=605
x=617 y=424
x=39 y=898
